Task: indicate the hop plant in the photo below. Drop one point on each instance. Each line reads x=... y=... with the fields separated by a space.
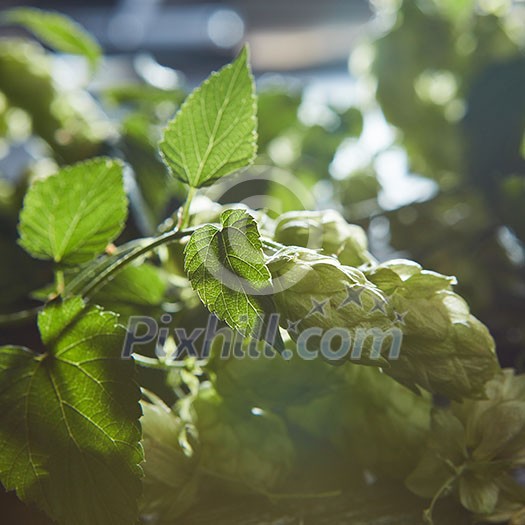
x=476 y=451
x=445 y=349
x=271 y=381
x=69 y=406
x=315 y=290
x=246 y=447
x=374 y=423
x=327 y=231
x=371 y=420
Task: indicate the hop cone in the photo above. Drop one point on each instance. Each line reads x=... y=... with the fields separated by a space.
x=170 y=479
x=326 y=231
x=445 y=349
x=477 y=450
x=374 y=422
x=246 y=447
x=315 y=290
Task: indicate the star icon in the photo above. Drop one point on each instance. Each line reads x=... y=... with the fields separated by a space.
x=317 y=307
x=400 y=318
x=353 y=295
x=292 y=326
x=379 y=305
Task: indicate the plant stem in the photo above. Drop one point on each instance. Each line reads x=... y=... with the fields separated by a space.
x=429 y=512
x=109 y=272
x=19 y=317
x=157 y=364
x=97 y=277
x=184 y=219
x=60 y=282
x=149 y=362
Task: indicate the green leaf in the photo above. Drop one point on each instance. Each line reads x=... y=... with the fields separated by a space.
x=429 y=476
x=477 y=494
x=71 y=216
x=502 y=428
x=136 y=290
x=215 y=131
x=227 y=270
x=58 y=31
x=69 y=419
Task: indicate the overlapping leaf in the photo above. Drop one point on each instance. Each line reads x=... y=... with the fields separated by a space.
x=69 y=430
x=226 y=268
x=71 y=216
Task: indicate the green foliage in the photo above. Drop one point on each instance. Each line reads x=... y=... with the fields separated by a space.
x=214 y=132
x=239 y=430
x=226 y=267
x=272 y=382
x=142 y=95
x=350 y=408
x=136 y=289
x=372 y=421
x=59 y=31
x=463 y=83
x=474 y=447
x=277 y=112
x=243 y=446
x=171 y=480
x=71 y=216
x=69 y=419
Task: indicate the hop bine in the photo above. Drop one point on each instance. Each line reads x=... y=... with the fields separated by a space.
x=444 y=349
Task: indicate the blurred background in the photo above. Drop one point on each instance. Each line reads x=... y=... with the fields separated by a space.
x=407 y=116
x=196 y=36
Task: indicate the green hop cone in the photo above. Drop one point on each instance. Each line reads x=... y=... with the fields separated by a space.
x=476 y=450
x=204 y=211
x=276 y=384
x=317 y=291
x=445 y=349
x=373 y=422
x=397 y=315
x=246 y=447
x=171 y=480
x=326 y=231
x=365 y=417
x=270 y=381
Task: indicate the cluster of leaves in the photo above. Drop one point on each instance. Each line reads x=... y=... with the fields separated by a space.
x=74 y=439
